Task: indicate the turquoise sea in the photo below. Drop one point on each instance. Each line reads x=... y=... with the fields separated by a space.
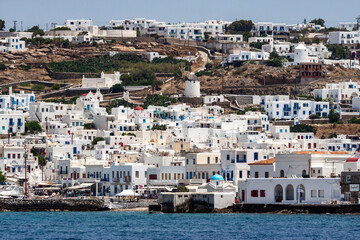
x=141 y=225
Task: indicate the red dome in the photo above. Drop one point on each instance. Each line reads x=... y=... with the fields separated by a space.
x=139 y=108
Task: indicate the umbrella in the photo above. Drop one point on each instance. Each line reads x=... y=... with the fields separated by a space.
x=127 y=193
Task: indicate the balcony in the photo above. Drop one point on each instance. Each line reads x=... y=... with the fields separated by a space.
x=105 y=179
x=116 y=179
x=287 y=109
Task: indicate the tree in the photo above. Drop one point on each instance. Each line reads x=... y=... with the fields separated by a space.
x=318 y=21
x=11 y=30
x=338 y=51
x=117 y=88
x=2 y=178
x=2 y=24
x=333 y=117
x=177 y=74
x=89 y=126
x=240 y=27
x=97 y=139
x=32 y=127
x=36 y=31
x=42 y=163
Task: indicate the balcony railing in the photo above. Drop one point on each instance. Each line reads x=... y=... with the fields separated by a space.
x=105 y=179
x=63 y=172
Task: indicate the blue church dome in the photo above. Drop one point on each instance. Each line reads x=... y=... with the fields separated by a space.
x=217 y=177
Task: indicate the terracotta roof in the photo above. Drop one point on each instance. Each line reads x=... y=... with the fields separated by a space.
x=352 y=159
x=270 y=161
x=138 y=108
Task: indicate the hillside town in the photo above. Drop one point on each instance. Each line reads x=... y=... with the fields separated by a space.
x=216 y=112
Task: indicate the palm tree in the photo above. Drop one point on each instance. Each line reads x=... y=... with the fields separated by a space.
x=42 y=163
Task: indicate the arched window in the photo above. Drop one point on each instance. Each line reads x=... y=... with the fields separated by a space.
x=304 y=173
x=282 y=174
x=289 y=192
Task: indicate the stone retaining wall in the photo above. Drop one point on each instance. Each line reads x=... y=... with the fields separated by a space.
x=53 y=205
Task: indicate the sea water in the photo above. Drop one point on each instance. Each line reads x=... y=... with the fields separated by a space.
x=141 y=225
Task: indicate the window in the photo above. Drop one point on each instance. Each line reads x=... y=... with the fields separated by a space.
x=228 y=157
x=256 y=174
x=216 y=159
x=313 y=193
x=137 y=174
x=256 y=156
x=266 y=174
x=282 y=174
x=240 y=174
x=262 y=193
x=321 y=193
x=208 y=160
x=194 y=161
x=348 y=178
x=187 y=161
x=254 y=193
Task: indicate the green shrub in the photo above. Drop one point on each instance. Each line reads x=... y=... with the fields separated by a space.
x=32 y=127
x=354 y=121
x=24 y=67
x=333 y=117
x=89 y=126
x=38 y=87
x=314 y=116
x=203 y=73
x=117 y=88
x=159 y=127
x=97 y=139
x=302 y=128
x=158 y=100
x=2 y=67
x=56 y=86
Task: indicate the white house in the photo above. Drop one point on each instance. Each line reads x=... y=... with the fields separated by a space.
x=247 y=56
x=12 y=44
x=342 y=92
x=300 y=109
x=105 y=81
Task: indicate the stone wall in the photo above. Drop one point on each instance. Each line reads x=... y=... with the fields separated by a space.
x=52 y=205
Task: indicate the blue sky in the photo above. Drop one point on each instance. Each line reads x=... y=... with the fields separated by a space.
x=42 y=12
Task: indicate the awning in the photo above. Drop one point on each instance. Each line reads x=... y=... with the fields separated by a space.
x=127 y=193
x=81 y=186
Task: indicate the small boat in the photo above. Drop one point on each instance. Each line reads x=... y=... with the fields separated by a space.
x=11 y=191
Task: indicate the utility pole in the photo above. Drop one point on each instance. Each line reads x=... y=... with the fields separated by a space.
x=358 y=23
x=25 y=158
x=15 y=25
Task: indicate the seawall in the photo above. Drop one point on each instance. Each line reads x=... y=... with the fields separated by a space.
x=53 y=205
x=297 y=208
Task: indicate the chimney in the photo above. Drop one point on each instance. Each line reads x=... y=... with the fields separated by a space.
x=10 y=90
